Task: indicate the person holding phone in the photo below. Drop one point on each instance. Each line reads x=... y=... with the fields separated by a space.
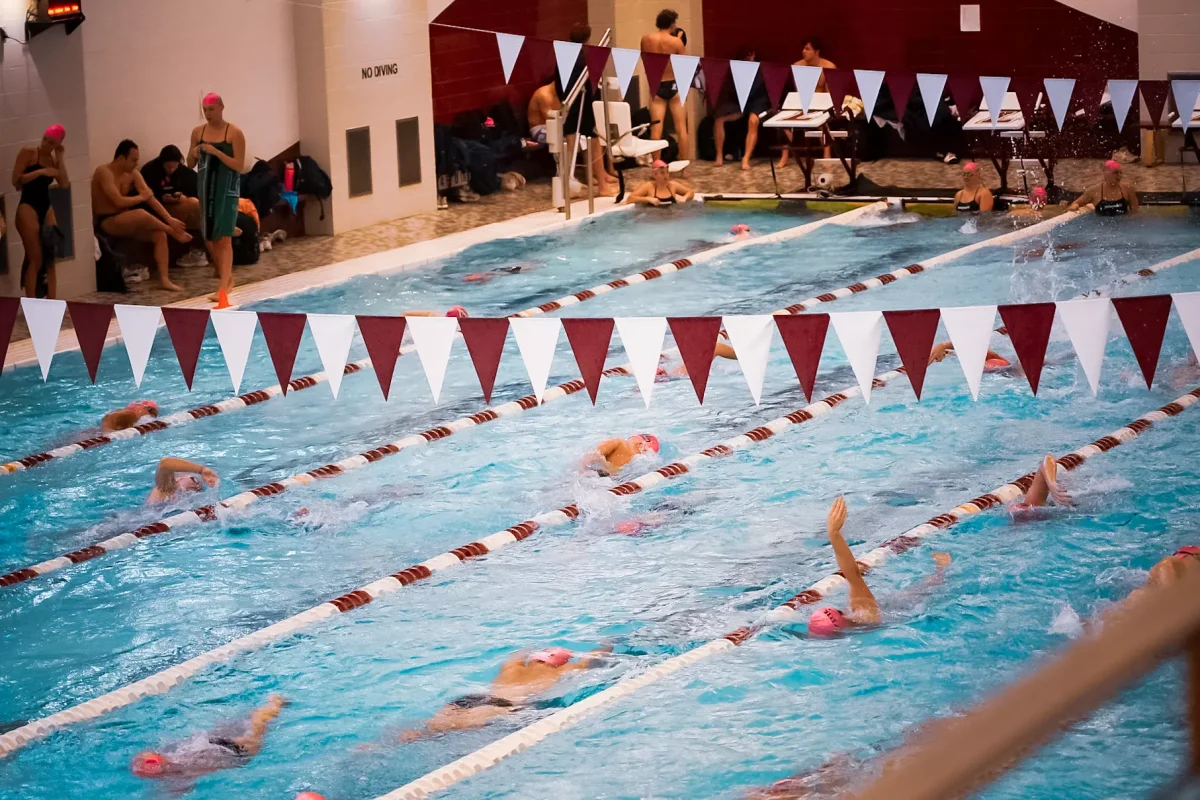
x=176 y=186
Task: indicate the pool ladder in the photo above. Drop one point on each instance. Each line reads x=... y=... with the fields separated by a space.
x=556 y=139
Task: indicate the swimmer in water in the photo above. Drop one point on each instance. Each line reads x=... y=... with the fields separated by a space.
x=135 y=413
x=176 y=475
x=864 y=608
x=1111 y=197
x=1170 y=570
x=515 y=269
x=1045 y=486
x=741 y=230
x=660 y=190
x=522 y=677
x=213 y=751
x=992 y=362
x=453 y=311
x=974 y=197
x=613 y=454
x=721 y=350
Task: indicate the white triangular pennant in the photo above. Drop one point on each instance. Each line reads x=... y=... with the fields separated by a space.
x=433 y=337
x=1058 y=92
x=566 y=54
x=743 y=79
x=510 y=48
x=932 y=87
x=44 y=320
x=1187 y=305
x=806 y=79
x=536 y=339
x=235 y=332
x=642 y=338
x=1186 y=94
x=994 y=90
x=750 y=338
x=684 y=68
x=1087 y=324
x=333 y=334
x=1121 y=94
x=624 y=62
x=970 y=330
x=859 y=331
x=869 y=82
x=139 y=325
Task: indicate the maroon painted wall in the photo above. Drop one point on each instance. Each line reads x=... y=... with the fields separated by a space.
x=466 y=68
x=1019 y=38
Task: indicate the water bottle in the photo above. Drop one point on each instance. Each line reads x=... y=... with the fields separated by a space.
x=289 y=177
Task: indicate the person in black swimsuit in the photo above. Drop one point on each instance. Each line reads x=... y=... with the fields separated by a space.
x=660 y=190
x=35 y=170
x=1112 y=197
x=974 y=196
x=666 y=41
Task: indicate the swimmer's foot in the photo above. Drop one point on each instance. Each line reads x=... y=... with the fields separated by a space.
x=781 y=163
x=720 y=162
x=165 y=283
x=746 y=164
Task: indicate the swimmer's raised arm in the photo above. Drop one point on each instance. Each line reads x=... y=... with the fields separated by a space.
x=260 y=719
x=164 y=478
x=724 y=351
x=863 y=605
x=1045 y=485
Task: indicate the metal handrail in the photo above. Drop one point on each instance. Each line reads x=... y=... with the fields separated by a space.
x=956 y=756
x=567 y=170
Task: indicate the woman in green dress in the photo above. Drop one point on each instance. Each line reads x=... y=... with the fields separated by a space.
x=219 y=149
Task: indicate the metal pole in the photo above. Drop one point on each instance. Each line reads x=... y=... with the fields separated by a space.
x=587 y=156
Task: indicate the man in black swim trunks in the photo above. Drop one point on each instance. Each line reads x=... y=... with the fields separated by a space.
x=664 y=40
x=184 y=761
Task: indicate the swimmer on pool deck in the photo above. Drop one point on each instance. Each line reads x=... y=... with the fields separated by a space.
x=613 y=454
x=135 y=413
x=864 y=608
x=1111 y=197
x=521 y=677
x=176 y=475
x=1045 y=486
x=209 y=752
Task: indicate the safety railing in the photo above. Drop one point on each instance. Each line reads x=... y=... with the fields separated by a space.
x=566 y=155
x=954 y=757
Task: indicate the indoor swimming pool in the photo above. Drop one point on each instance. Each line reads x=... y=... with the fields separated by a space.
x=715 y=549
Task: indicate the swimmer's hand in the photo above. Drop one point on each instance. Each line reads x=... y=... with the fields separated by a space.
x=1061 y=495
x=942 y=560
x=940 y=351
x=837 y=514
x=213 y=480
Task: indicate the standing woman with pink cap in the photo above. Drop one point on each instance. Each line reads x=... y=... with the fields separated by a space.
x=35 y=170
x=974 y=196
x=219 y=148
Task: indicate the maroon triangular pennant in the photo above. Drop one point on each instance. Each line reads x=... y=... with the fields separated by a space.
x=1145 y=323
x=1027 y=91
x=900 y=85
x=186 y=327
x=1087 y=96
x=775 y=77
x=382 y=336
x=967 y=92
x=656 y=65
x=696 y=338
x=596 y=59
x=1029 y=327
x=1155 y=94
x=485 y=342
x=282 y=332
x=8 y=318
x=841 y=83
x=804 y=338
x=538 y=61
x=912 y=333
x=589 y=340
x=715 y=70
x=90 y=321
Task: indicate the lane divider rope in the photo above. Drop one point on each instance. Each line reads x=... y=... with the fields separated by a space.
x=297 y=384
x=529 y=736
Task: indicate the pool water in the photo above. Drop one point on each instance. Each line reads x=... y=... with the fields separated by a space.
x=735 y=539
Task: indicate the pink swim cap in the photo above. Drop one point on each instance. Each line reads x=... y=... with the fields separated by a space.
x=826 y=622
x=144 y=407
x=1112 y=166
x=1039 y=191
x=457 y=311
x=309 y=796
x=212 y=99
x=554 y=656
x=630 y=527
x=659 y=164
x=996 y=363
x=970 y=166
x=648 y=439
x=56 y=132
x=741 y=227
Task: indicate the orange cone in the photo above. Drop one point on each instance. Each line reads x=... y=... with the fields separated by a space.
x=222 y=300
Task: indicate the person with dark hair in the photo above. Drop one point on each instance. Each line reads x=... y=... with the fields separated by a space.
x=664 y=40
x=124 y=207
x=757 y=103
x=35 y=169
x=574 y=122
x=218 y=149
x=175 y=186
x=580 y=33
x=810 y=56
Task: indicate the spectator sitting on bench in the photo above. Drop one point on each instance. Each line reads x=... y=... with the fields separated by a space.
x=543 y=101
x=176 y=186
x=123 y=207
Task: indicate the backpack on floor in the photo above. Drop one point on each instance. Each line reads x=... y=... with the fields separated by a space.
x=245 y=247
x=262 y=187
x=312 y=180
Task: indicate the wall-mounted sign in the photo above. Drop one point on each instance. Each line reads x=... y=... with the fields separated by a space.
x=380 y=71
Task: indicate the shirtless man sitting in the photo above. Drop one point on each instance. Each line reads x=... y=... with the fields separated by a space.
x=613 y=454
x=663 y=40
x=123 y=206
x=543 y=101
x=175 y=475
x=521 y=677
x=810 y=56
